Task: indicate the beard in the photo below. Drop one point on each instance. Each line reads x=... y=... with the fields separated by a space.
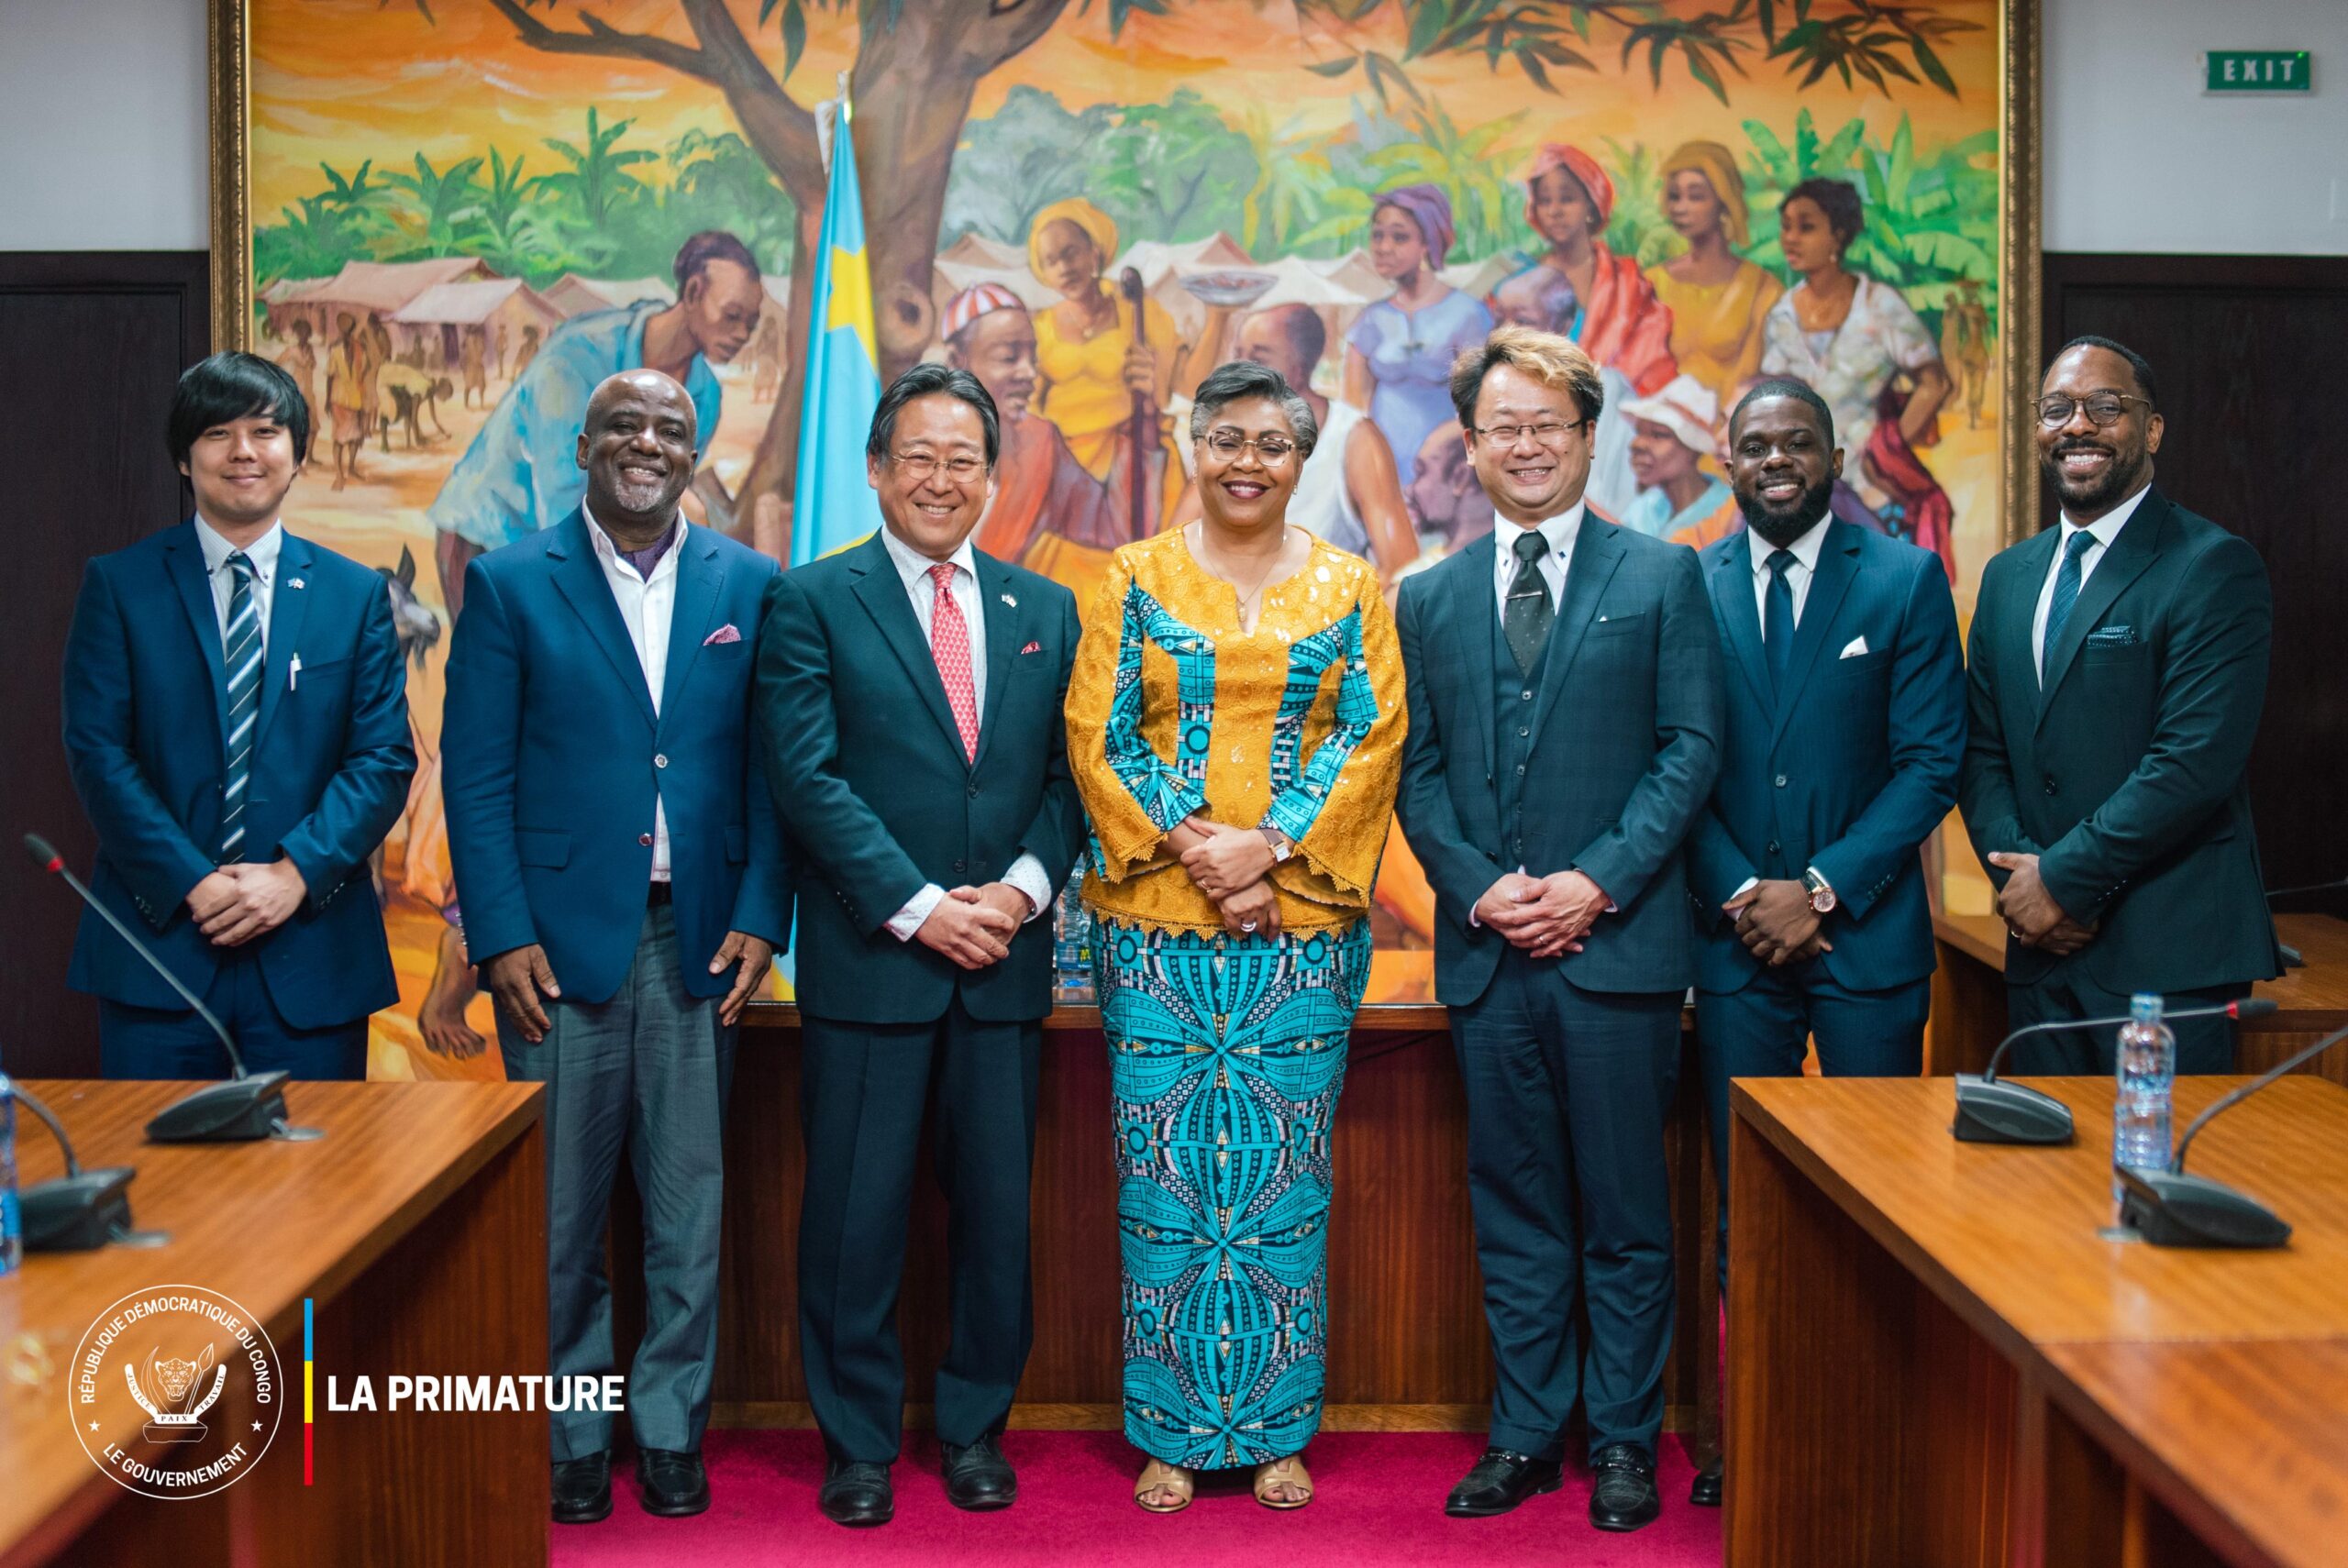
x=1781 y=526
x=2095 y=496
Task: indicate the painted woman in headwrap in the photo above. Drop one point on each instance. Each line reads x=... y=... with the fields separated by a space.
x=1621 y=323
x=1858 y=345
x=1091 y=363
x=1718 y=300
x=1397 y=357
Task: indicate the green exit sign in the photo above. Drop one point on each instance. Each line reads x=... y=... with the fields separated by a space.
x=2259 y=71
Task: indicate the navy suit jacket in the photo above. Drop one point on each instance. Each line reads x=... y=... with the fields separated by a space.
x=2124 y=771
x=869 y=772
x=1626 y=742
x=1850 y=769
x=146 y=736
x=552 y=760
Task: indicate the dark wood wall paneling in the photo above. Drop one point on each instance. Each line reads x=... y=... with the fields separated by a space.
x=2248 y=352
x=93 y=342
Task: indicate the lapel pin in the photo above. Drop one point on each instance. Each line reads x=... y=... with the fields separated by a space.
x=1011 y=600
x=293 y=583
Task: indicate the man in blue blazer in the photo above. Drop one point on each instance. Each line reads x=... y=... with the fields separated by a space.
x=2118 y=665
x=236 y=724
x=910 y=695
x=621 y=878
x=1845 y=728
x=1564 y=692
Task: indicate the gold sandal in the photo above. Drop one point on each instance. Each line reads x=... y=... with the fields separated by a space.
x=1288 y=1474
x=1158 y=1476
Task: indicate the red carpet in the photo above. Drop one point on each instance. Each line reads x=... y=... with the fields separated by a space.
x=1379 y=1499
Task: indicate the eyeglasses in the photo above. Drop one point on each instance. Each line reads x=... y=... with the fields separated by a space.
x=2104 y=409
x=1546 y=433
x=922 y=464
x=1228 y=444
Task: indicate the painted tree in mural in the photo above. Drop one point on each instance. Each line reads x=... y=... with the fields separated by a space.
x=919 y=62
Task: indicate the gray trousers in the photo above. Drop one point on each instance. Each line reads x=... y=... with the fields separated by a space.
x=648 y=1070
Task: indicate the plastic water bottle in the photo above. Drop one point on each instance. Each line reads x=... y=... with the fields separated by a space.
x=2146 y=1065
x=12 y=1225
x=1072 y=945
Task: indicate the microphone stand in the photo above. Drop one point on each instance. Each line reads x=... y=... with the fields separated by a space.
x=83 y=1208
x=2170 y=1208
x=1990 y=1110
x=237 y=1110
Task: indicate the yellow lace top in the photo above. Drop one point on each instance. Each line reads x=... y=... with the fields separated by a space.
x=1297 y=725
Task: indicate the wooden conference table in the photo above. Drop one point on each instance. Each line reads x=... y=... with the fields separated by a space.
x=418 y=1227
x=1938 y=1361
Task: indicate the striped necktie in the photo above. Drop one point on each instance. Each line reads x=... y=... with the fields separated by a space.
x=244 y=662
x=2067 y=578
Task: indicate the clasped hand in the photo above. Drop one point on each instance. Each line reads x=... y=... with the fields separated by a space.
x=1776 y=922
x=245 y=899
x=1233 y=867
x=973 y=926
x=2030 y=912
x=1546 y=916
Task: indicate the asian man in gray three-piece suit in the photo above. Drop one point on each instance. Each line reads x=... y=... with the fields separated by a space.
x=1565 y=694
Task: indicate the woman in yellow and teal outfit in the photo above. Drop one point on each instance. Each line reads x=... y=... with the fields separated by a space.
x=1235 y=721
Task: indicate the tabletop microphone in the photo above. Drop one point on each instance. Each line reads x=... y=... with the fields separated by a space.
x=82 y=1209
x=1990 y=1110
x=247 y=1106
x=2170 y=1208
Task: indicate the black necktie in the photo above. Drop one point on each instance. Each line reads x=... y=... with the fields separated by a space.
x=1777 y=626
x=1526 y=616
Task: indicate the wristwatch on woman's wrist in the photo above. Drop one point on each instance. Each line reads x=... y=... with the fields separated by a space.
x=1281 y=847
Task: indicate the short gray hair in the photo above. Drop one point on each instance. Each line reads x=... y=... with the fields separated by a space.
x=1246 y=378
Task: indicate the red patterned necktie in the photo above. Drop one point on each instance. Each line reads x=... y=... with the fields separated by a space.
x=949 y=645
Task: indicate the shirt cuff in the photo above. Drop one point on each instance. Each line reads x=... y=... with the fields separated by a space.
x=907 y=921
x=1026 y=874
x=1744 y=887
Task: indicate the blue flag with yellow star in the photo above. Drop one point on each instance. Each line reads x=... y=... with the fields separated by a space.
x=832 y=506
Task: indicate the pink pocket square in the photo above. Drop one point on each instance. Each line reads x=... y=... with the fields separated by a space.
x=726 y=633
x=1032 y=647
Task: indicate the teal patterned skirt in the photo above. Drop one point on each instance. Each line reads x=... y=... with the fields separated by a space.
x=1227 y=1055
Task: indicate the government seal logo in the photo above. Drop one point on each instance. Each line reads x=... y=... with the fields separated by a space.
x=176 y=1392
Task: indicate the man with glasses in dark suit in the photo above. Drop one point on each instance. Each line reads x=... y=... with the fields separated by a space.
x=2117 y=667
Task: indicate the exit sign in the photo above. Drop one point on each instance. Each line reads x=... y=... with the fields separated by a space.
x=2257 y=71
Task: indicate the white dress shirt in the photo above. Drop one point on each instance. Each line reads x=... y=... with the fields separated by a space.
x=1027 y=873
x=2105 y=528
x=1805 y=551
x=262 y=552
x=648 y=606
x=1561 y=530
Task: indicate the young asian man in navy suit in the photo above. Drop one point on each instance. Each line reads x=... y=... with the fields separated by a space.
x=236 y=723
x=1846 y=703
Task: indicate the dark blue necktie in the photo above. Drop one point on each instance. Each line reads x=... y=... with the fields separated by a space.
x=243 y=656
x=2067 y=595
x=1778 y=624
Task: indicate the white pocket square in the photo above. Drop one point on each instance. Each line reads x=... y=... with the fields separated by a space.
x=1857 y=646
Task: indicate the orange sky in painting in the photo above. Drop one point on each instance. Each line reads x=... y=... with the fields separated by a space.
x=339 y=81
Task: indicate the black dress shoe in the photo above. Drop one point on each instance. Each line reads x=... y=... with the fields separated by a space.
x=582 y=1489
x=1499 y=1482
x=856 y=1494
x=1624 y=1497
x=674 y=1483
x=979 y=1477
x=1704 y=1491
